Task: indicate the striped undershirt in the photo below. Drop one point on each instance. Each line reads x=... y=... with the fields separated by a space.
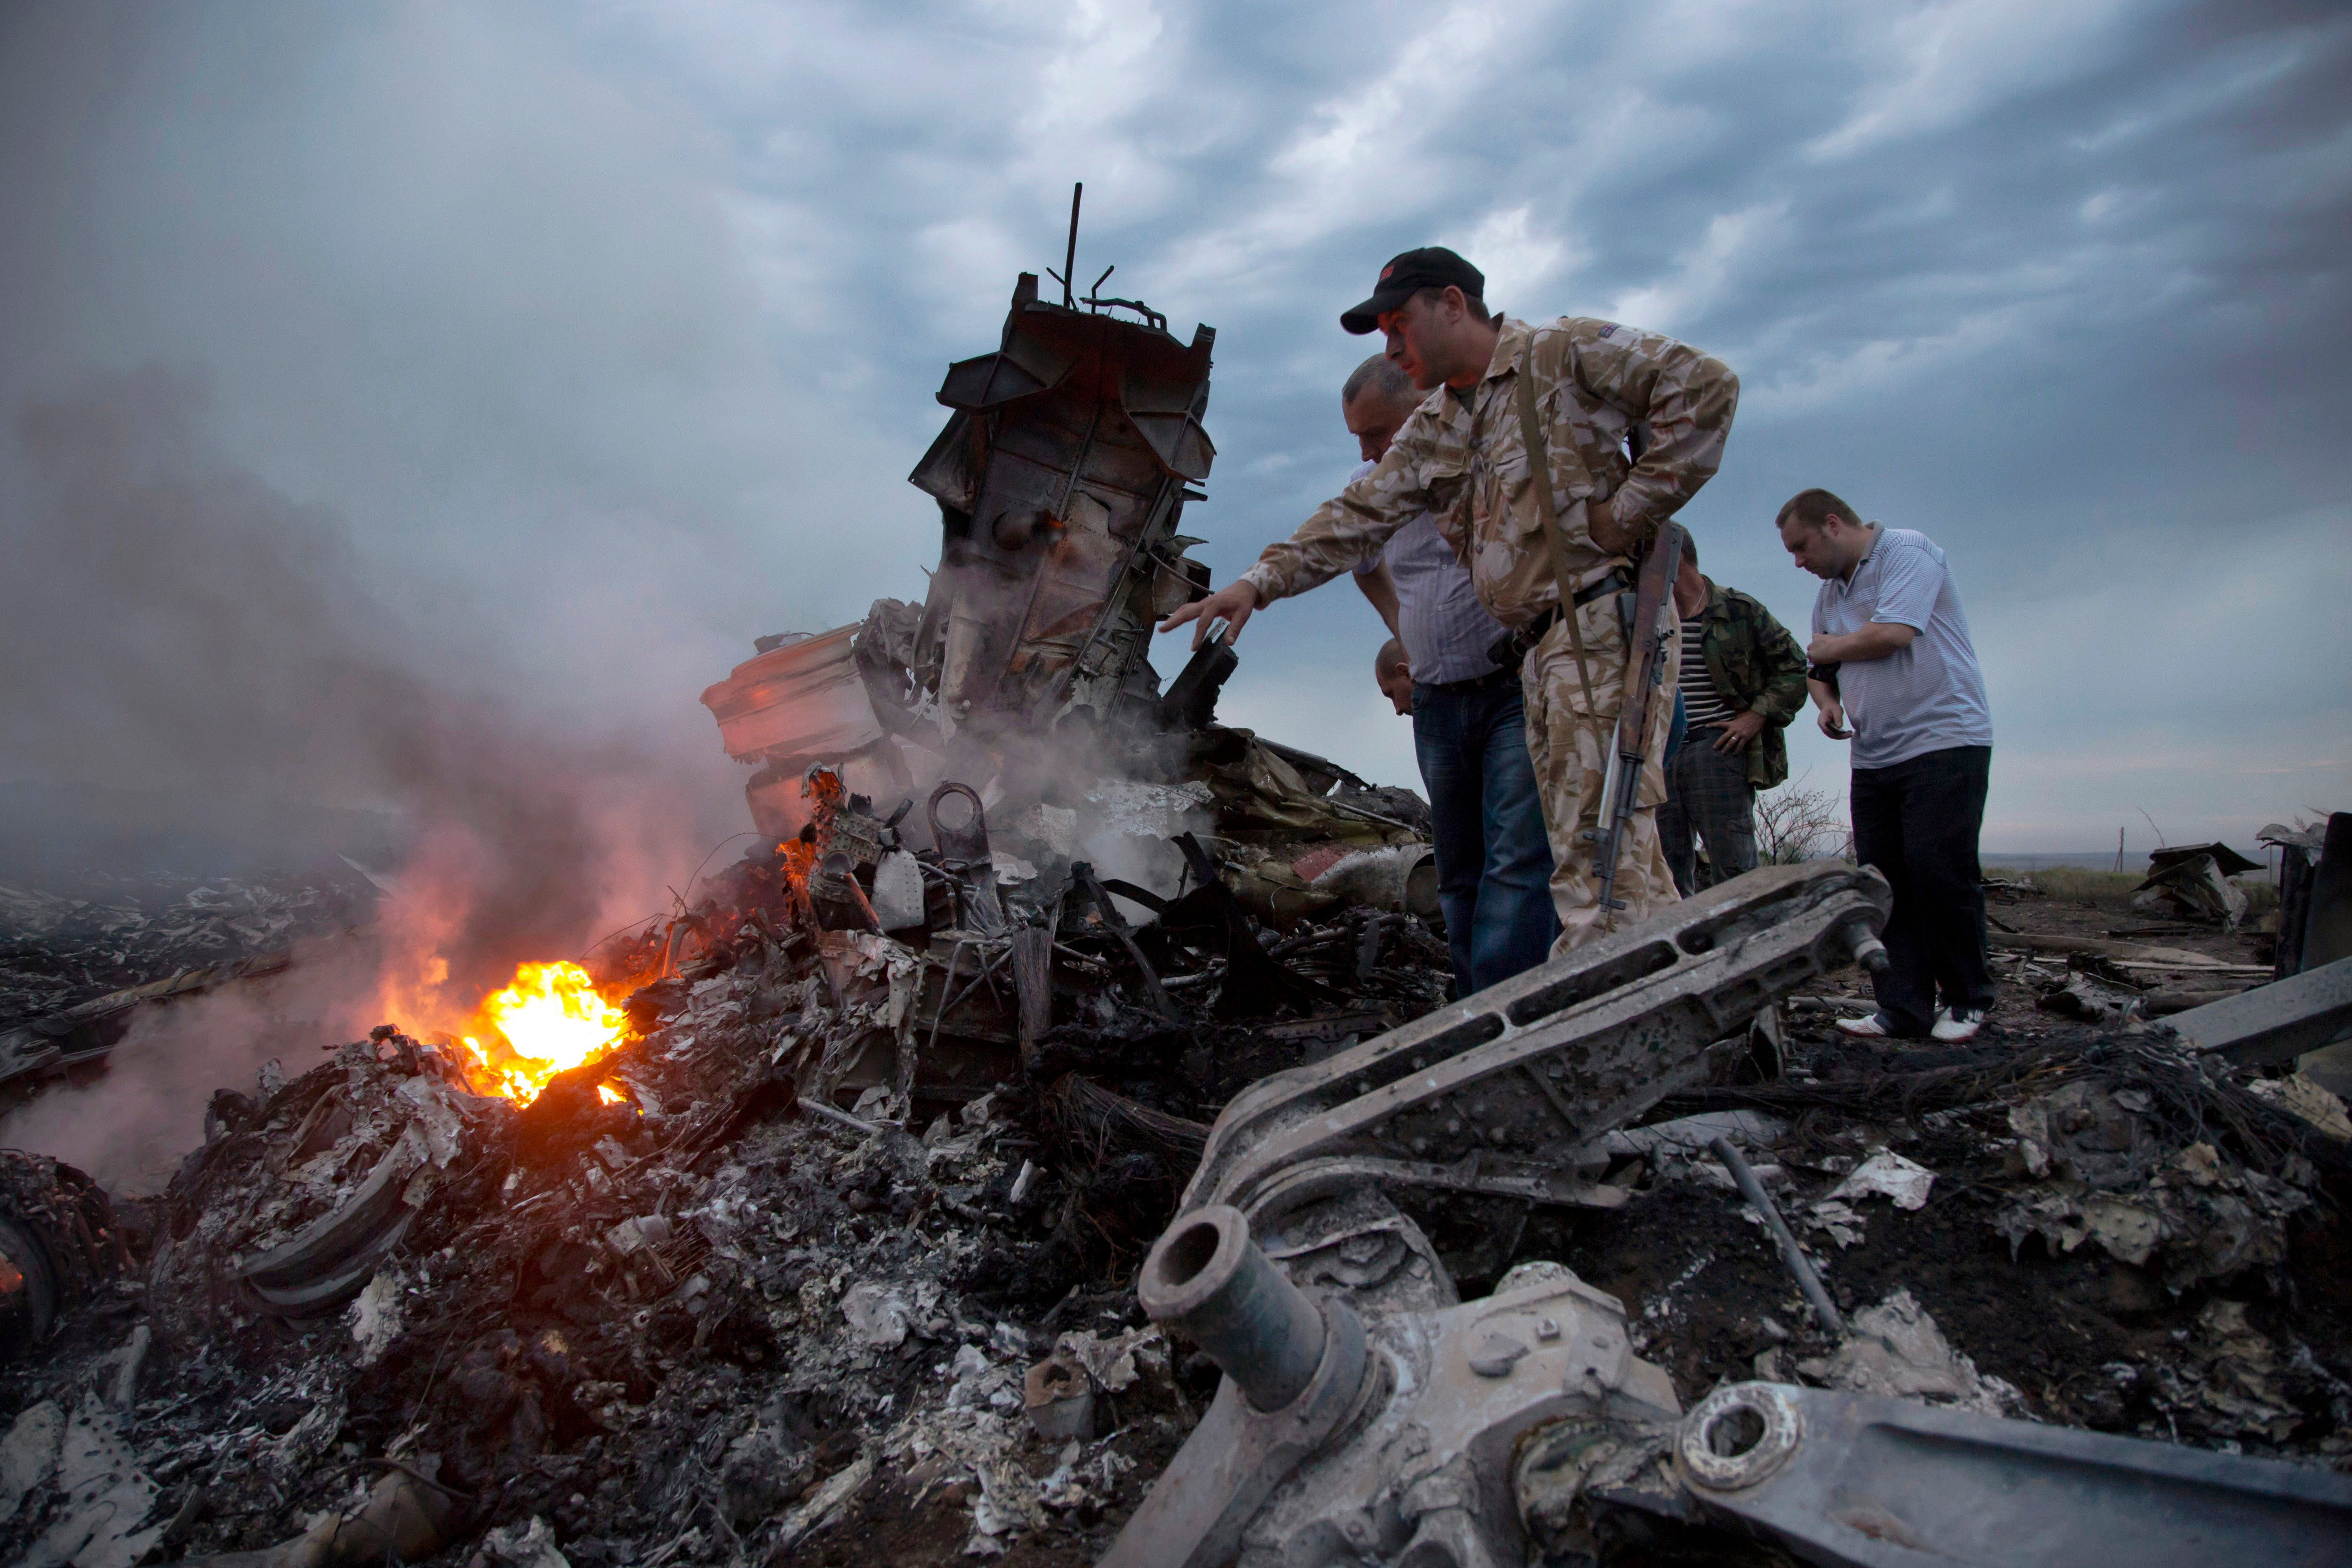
x=1701 y=701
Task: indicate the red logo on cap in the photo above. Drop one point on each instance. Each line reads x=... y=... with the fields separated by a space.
x=1386 y=270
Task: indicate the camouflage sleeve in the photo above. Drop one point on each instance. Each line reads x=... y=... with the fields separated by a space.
x=1783 y=666
x=1685 y=398
x=1353 y=525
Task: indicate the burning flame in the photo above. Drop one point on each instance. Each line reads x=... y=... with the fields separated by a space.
x=823 y=790
x=550 y=1019
x=611 y=1096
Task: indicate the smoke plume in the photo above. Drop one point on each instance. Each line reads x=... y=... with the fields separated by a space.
x=179 y=625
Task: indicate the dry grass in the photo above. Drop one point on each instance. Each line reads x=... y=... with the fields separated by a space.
x=2103 y=890
x=2113 y=890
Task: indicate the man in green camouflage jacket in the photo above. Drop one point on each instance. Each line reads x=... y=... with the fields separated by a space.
x=1633 y=424
x=1743 y=679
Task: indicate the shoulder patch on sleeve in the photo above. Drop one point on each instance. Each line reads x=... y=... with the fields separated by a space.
x=1608 y=330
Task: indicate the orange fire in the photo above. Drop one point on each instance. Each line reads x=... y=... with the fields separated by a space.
x=611 y=1096
x=825 y=792
x=799 y=860
x=550 y=1019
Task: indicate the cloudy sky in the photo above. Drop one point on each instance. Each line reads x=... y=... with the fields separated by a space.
x=600 y=338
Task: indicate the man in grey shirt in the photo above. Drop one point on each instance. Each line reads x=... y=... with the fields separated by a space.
x=1469 y=723
x=1891 y=657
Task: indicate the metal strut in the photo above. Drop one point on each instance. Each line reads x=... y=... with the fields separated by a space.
x=1369 y=1416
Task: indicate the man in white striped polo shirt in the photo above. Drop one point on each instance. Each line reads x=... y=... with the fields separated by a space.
x=1469 y=723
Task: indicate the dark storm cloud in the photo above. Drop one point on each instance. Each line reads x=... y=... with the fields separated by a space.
x=611 y=334
x=442 y=277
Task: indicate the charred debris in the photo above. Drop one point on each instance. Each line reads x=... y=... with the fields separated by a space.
x=1056 y=1143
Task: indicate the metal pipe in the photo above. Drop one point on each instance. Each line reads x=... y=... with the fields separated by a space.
x=839 y=1118
x=1799 y=1264
x=1868 y=951
x=1207 y=1279
x=1070 y=256
x=955 y=957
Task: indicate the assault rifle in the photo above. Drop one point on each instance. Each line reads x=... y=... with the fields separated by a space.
x=1645 y=673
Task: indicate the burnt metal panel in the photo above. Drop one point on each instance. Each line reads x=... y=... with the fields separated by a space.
x=1061 y=476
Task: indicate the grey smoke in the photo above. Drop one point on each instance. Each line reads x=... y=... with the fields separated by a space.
x=183 y=625
x=130 y=1126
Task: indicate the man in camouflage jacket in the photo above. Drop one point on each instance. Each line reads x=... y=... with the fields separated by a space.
x=1743 y=679
x=1598 y=388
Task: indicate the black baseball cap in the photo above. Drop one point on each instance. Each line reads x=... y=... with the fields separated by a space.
x=1432 y=266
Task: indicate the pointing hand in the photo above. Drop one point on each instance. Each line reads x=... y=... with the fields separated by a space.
x=1234 y=604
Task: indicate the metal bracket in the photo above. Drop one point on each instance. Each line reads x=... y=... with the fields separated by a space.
x=1850 y=1479
x=1444 y=1103
x=1473 y=1426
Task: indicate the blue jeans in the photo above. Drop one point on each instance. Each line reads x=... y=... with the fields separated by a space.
x=1493 y=862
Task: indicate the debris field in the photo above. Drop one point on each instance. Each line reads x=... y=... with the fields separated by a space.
x=728 y=1319
x=827 y=1247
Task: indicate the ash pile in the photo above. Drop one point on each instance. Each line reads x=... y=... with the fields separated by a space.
x=782 y=1278
x=1056 y=1143
x=779 y=1271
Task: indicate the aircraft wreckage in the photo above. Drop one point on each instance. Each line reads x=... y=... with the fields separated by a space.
x=1054 y=1141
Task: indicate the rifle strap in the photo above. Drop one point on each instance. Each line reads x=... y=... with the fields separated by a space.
x=1531 y=433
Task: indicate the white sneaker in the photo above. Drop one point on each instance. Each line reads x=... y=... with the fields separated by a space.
x=1954 y=1025
x=1869 y=1026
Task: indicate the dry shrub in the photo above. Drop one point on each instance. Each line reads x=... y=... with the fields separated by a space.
x=1795 y=824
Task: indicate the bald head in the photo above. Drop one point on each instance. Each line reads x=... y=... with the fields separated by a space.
x=1376 y=401
x=1394 y=674
x=1379 y=376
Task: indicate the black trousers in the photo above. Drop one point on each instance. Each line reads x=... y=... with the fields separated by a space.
x=1918 y=823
